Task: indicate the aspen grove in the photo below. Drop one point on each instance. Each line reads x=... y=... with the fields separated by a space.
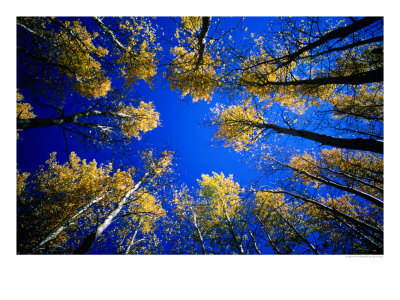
x=299 y=101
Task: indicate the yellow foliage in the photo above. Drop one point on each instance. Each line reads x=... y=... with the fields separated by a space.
x=192 y=24
x=158 y=166
x=364 y=101
x=24 y=110
x=356 y=169
x=222 y=194
x=199 y=82
x=75 y=56
x=148 y=209
x=237 y=125
x=21 y=184
x=136 y=121
x=138 y=60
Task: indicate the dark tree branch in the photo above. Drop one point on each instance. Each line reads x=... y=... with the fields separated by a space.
x=201 y=39
x=352 y=144
x=354 y=79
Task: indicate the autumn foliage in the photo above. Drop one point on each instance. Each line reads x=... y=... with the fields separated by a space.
x=302 y=102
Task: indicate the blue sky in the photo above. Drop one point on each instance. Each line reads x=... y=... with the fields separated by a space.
x=181 y=131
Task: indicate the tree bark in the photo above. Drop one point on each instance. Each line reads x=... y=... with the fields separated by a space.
x=253 y=240
x=109 y=32
x=311 y=246
x=132 y=241
x=332 y=211
x=238 y=244
x=201 y=39
x=45 y=122
x=352 y=144
x=196 y=226
x=89 y=240
x=276 y=250
x=65 y=225
x=354 y=79
x=334 y=184
x=341 y=32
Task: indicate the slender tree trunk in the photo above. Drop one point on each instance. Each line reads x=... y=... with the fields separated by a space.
x=352 y=144
x=351 y=177
x=133 y=237
x=333 y=212
x=202 y=43
x=199 y=234
x=354 y=79
x=311 y=246
x=65 y=225
x=109 y=32
x=341 y=32
x=276 y=250
x=238 y=244
x=253 y=240
x=357 y=192
x=110 y=217
x=363 y=237
x=45 y=122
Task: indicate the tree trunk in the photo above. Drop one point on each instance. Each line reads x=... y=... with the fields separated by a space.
x=311 y=246
x=333 y=212
x=253 y=240
x=354 y=79
x=103 y=226
x=199 y=234
x=109 y=32
x=133 y=237
x=45 y=122
x=276 y=250
x=341 y=32
x=352 y=144
x=201 y=39
x=65 y=225
x=354 y=191
x=238 y=244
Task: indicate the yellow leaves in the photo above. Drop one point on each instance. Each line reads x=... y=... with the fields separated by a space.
x=148 y=209
x=21 y=184
x=136 y=121
x=198 y=79
x=23 y=109
x=237 y=125
x=74 y=54
x=77 y=179
x=356 y=169
x=364 y=102
x=305 y=163
x=265 y=201
x=191 y=24
x=138 y=60
x=222 y=193
x=95 y=88
x=193 y=71
x=138 y=65
x=158 y=166
x=121 y=182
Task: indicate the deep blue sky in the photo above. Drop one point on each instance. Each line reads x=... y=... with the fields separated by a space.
x=181 y=130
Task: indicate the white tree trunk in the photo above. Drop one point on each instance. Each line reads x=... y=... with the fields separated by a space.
x=65 y=225
x=203 y=248
x=120 y=205
x=237 y=242
x=133 y=237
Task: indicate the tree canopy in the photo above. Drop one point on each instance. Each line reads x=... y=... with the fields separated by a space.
x=299 y=100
